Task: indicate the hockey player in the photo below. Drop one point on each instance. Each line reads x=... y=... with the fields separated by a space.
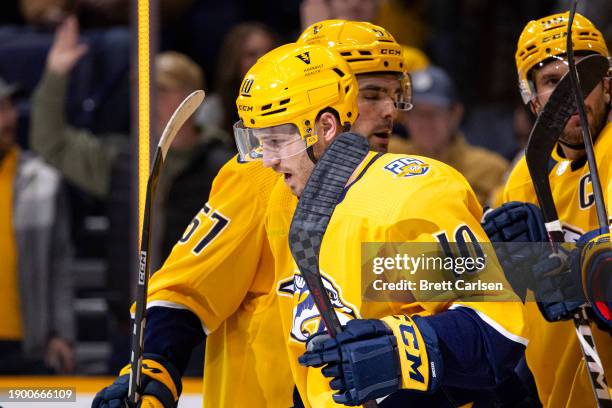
x=218 y=279
x=553 y=354
x=288 y=121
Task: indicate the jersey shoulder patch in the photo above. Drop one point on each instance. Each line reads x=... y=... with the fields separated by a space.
x=408 y=167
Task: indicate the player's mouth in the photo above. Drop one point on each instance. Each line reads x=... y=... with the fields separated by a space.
x=380 y=138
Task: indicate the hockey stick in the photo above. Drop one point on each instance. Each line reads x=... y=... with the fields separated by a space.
x=581 y=320
x=600 y=205
x=542 y=140
x=314 y=210
x=179 y=117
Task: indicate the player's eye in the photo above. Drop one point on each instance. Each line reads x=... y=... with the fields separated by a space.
x=372 y=95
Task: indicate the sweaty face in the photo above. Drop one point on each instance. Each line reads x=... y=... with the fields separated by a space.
x=8 y=125
x=376 y=100
x=295 y=169
x=546 y=79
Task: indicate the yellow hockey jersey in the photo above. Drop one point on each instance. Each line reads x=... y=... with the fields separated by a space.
x=222 y=270
x=554 y=354
x=394 y=198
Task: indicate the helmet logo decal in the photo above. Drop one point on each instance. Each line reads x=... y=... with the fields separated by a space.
x=379 y=33
x=317 y=28
x=304 y=57
x=246 y=87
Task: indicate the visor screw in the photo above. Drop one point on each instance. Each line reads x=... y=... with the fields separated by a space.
x=252 y=121
x=307 y=122
x=308 y=130
x=386 y=64
x=548 y=50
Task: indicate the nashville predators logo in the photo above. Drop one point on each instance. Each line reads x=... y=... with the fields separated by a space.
x=407 y=167
x=306 y=318
x=304 y=57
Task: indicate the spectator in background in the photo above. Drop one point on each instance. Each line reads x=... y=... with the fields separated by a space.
x=433 y=125
x=36 y=291
x=313 y=11
x=102 y=166
x=242 y=46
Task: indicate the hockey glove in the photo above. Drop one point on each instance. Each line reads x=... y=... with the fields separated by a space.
x=364 y=362
x=556 y=288
x=161 y=386
x=515 y=228
x=592 y=265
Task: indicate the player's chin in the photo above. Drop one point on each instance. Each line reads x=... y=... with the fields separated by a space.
x=379 y=143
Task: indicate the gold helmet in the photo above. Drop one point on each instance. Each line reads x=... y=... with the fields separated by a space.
x=368 y=49
x=284 y=92
x=546 y=38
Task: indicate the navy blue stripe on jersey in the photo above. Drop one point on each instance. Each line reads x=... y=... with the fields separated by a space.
x=366 y=167
x=172 y=333
x=475 y=355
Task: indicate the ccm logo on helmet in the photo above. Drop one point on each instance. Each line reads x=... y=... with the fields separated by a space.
x=386 y=51
x=245 y=108
x=554 y=37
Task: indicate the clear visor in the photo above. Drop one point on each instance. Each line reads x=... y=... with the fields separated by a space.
x=404 y=101
x=544 y=78
x=269 y=143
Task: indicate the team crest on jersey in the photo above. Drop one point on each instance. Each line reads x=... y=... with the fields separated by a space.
x=407 y=167
x=306 y=318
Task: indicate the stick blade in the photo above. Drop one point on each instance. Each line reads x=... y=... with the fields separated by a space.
x=178 y=119
x=551 y=122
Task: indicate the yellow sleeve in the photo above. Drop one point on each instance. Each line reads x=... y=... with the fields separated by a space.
x=456 y=218
x=211 y=269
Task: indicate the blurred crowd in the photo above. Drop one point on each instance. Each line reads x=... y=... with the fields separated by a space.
x=67 y=160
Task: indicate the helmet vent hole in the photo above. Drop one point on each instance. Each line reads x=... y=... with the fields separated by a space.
x=339 y=72
x=346 y=89
x=274 y=111
x=386 y=63
x=266 y=107
x=252 y=121
x=346 y=54
x=401 y=65
x=349 y=114
x=547 y=50
x=284 y=101
x=365 y=53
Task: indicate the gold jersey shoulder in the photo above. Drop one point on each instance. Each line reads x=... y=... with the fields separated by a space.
x=571 y=185
x=222 y=270
x=564 y=382
x=394 y=198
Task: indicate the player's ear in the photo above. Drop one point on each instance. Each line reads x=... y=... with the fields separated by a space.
x=327 y=127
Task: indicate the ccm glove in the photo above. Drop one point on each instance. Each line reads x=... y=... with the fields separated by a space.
x=518 y=235
x=592 y=265
x=365 y=362
x=160 y=387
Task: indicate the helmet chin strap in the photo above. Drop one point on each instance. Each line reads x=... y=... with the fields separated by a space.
x=311 y=156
